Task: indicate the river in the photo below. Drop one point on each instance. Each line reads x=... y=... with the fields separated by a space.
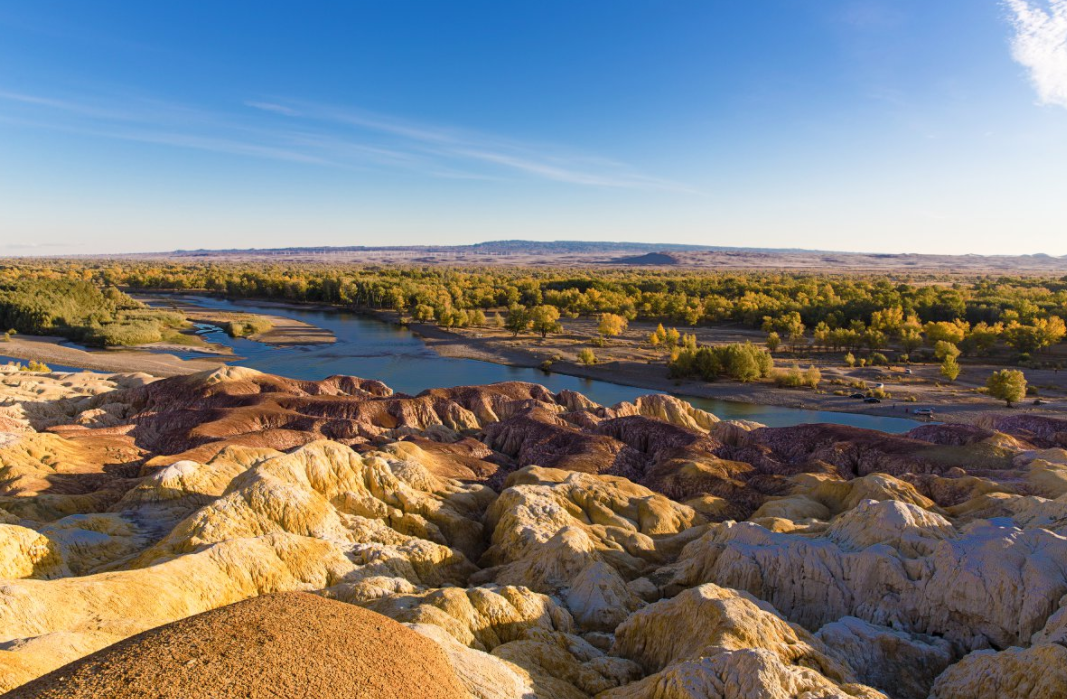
x=374 y=349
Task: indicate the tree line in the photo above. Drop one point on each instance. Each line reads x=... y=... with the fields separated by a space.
x=81 y=310
x=837 y=312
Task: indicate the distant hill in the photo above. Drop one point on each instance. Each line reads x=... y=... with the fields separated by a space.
x=649 y=259
x=579 y=253
x=495 y=247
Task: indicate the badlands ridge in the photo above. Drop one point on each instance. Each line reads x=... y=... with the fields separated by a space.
x=521 y=543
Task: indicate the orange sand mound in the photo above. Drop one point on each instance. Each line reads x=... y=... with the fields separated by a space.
x=283 y=645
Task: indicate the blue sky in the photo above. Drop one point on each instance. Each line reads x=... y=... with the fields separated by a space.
x=880 y=125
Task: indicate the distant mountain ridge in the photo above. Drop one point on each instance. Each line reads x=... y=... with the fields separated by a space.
x=494 y=247
x=585 y=254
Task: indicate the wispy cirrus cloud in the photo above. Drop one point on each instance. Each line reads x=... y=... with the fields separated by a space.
x=271 y=107
x=323 y=135
x=1040 y=44
x=463 y=146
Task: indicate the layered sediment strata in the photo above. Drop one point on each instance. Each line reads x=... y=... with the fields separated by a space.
x=545 y=545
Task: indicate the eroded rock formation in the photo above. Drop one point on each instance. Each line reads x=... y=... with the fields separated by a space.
x=543 y=545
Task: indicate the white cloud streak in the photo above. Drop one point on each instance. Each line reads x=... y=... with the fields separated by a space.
x=322 y=135
x=1040 y=44
x=471 y=147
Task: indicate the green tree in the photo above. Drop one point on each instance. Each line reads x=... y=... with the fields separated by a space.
x=794 y=330
x=1051 y=330
x=774 y=340
x=889 y=320
x=745 y=362
x=949 y=368
x=1024 y=338
x=741 y=362
x=612 y=325
x=953 y=332
x=545 y=320
x=850 y=360
x=911 y=340
x=875 y=339
x=945 y=349
x=822 y=335
x=518 y=319
x=1043 y=333
x=1008 y=385
x=982 y=338
x=423 y=313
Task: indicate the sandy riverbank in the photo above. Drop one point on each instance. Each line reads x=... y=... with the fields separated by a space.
x=49 y=351
x=628 y=361
x=283 y=330
x=624 y=362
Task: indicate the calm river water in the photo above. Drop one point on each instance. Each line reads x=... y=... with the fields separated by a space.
x=373 y=349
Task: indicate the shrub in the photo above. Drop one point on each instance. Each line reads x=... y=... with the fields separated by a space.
x=178 y=338
x=788 y=378
x=878 y=359
x=742 y=362
x=246 y=327
x=124 y=334
x=795 y=378
x=170 y=319
x=586 y=356
x=546 y=366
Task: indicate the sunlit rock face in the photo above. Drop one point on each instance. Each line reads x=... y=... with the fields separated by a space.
x=548 y=546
